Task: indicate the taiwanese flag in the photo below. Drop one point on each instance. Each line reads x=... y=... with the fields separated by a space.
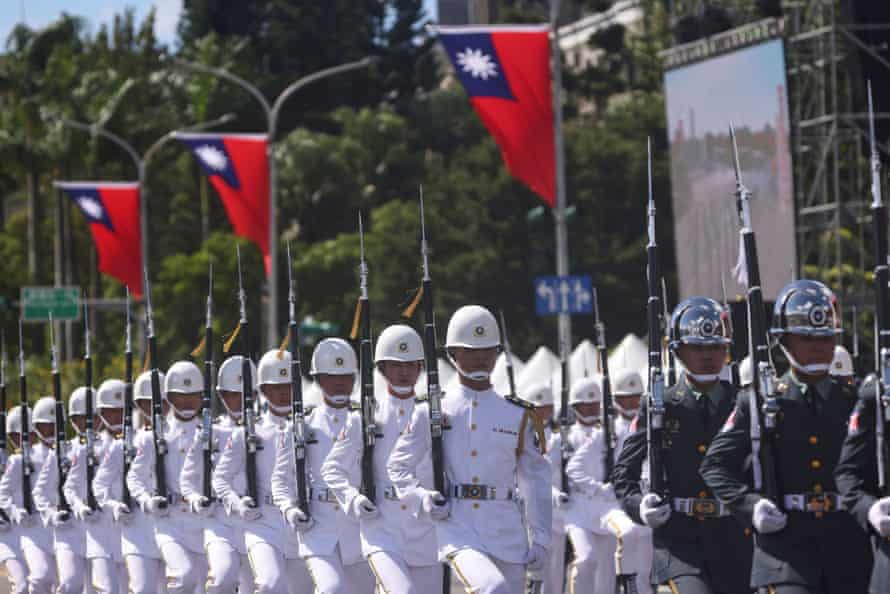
x=238 y=167
x=112 y=210
x=506 y=72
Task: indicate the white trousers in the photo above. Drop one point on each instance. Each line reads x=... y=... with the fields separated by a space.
x=394 y=576
x=552 y=576
x=332 y=577
x=273 y=574
x=144 y=575
x=186 y=571
x=17 y=573
x=71 y=569
x=228 y=569
x=41 y=569
x=108 y=576
x=482 y=574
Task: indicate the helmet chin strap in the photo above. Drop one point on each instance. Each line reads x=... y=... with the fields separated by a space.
x=476 y=376
x=184 y=415
x=337 y=399
x=110 y=427
x=235 y=415
x=278 y=410
x=587 y=420
x=811 y=369
x=401 y=390
x=627 y=412
x=703 y=378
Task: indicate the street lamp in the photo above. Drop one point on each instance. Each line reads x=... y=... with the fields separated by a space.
x=141 y=162
x=271 y=112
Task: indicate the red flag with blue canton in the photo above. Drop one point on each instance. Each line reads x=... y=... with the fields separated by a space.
x=506 y=72
x=238 y=167
x=112 y=210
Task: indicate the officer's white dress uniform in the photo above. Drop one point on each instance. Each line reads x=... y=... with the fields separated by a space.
x=69 y=539
x=226 y=558
x=553 y=576
x=400 y=543
x=35 y=541
x=178 y=533
x=490 y=445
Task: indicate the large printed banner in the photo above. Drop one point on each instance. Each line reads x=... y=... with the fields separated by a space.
x=745 y=87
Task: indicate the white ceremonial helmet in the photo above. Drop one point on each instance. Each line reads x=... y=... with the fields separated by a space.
x=228 y=378
x=585 y=390
x=77 y=402
x=538 y=394
x=142 y=386
x=627 y=382
x=398 y=342
x=110 y=394
x=14 y=420
x=842 y=363
x=183 y=377
x=746 y=372
x=333 y=356
x=44 y=410
x=473 y=327
x=274 y=368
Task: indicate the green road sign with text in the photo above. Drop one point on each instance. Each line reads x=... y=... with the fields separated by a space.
x=38 y=302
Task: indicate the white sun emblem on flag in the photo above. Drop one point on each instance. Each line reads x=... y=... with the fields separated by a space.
x=477 y=63
x=212 y=157
x=90 y=206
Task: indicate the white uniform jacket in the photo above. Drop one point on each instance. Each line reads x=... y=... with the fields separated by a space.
x=402 y=527
x=489 y=443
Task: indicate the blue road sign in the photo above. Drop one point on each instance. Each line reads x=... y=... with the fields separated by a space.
x=563 y=294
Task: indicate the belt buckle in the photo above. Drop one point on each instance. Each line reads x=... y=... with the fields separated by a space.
x=817 y=502
x=473 y=492
x=704 y=507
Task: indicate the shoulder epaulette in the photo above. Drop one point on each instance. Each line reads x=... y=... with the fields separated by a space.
x=519 y=402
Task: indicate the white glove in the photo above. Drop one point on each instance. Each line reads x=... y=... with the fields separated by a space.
x=247 y=510
x=156 y=505
x=362 y=508
x=879 y=516
x=536 y=558
x=436 y=506
x=559 y=498
x=654 y=511
x=201 y=505
x=297 y=520
x=120 y=513
x=20 y=517
x=59 y=518
x=83 y=513
x=767 y=517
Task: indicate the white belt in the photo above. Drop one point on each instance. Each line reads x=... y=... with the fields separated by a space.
x=483 y=492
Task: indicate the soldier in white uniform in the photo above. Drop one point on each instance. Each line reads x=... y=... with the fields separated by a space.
x=596 y=524
x=490 y=448
x=271 y=547
x=139 y=550
x=400 y=542
x=10 y=550
x=330 y=546
x=178 y=532
x=69 y=535
x=35 y=540
x=103 y=540
x=552 y=576
x=226 y=552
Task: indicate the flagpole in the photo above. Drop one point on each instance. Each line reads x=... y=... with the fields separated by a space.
x=559 y=213
x=271 y=113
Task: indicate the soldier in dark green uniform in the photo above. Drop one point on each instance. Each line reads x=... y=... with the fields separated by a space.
x=857 y=480
x=699 y=548
x=804 y=543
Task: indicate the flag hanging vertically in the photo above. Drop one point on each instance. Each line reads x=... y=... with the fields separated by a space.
x=112 y=210
x=506 y=72
x=238 y=167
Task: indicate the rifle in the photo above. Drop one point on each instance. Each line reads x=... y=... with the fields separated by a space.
x=665 y=321
x=603 y=354
x=856 y=363
x=207 y=397
x=61 y=459
x=128 y=406
x=882 y=313
x=27 y=497
x=91 y=461
x=251 y=442
x=157 y=409
x=763 y=400
x=732 y=357
x=296 y=392
x=3 y=454
x=431 y=362
x=508 y=354
x=655 y=408
x=369 y=428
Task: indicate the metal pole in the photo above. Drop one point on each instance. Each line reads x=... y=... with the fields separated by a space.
x=559 y=213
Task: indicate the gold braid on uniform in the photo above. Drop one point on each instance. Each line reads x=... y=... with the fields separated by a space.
x=227 y=346
x=539 y=432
